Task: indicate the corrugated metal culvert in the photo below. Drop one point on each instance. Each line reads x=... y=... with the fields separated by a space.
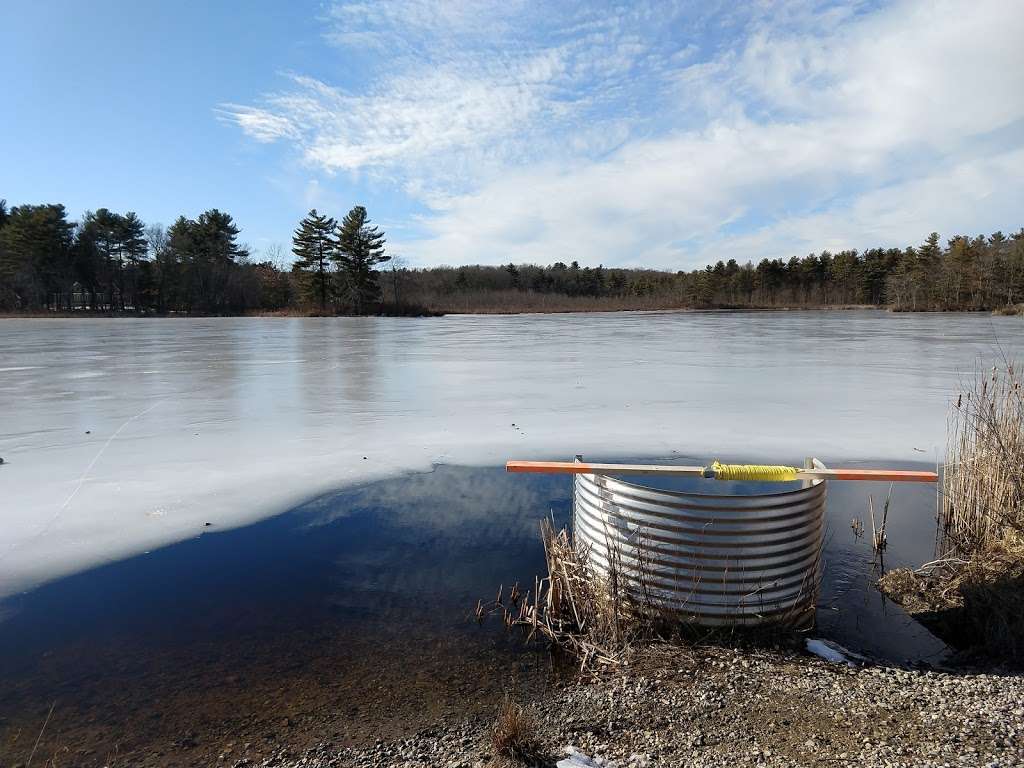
x=712 y=559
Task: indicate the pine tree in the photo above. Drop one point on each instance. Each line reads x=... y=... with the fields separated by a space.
x=132 y=247
x=207 y=256
x=35 y=257
x=513 y=274
x=315 y=245
x=360 y=249
x=217 y=258
x=926 y=268
x=102 y=230
x=182 y=249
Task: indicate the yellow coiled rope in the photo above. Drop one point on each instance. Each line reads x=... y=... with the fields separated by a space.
x=756 y=472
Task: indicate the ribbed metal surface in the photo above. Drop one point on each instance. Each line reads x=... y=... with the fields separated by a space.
x=714 y=559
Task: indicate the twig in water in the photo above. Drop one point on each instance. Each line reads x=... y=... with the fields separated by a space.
x=40 y=736
x=878 y=539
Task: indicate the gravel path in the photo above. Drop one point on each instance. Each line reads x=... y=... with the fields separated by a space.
x=718 y=707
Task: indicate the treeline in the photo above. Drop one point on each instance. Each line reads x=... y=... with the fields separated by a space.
x=967 y=273
x=112 y=262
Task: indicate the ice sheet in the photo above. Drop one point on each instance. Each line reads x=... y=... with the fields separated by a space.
x=122 y=435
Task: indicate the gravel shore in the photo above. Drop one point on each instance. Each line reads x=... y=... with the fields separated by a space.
x=707 y=707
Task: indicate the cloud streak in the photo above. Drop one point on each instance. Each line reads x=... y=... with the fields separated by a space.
x=667 y=136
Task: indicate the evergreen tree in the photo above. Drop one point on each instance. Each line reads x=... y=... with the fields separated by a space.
x=182 y=250
x=360 y=249
x=513 y=275
x=901 y=286
x=101 y=235
x=208 y=258
x=215 y=260
x=132 y=248
x=926 y=270
x=88 y=262
x=8 y=298
x=35 y=257
x=315 y=244
x=1013 y=262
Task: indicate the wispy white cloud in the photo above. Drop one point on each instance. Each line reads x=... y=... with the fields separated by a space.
x=463 y=90
x=260 y=124
x=975 y=196
x=666 y=135
x=426 y=29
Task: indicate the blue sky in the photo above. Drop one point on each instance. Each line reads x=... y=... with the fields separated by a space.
x=661 y=134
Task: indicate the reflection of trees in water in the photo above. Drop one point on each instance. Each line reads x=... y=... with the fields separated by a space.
x=338 y=392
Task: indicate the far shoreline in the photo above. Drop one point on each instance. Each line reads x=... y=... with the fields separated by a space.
x=303 y=314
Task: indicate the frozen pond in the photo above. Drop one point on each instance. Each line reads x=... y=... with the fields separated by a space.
x=124 y=435
x=148 y=462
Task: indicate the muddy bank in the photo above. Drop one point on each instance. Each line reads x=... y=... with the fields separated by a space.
x=976 y=605
x=717 y=707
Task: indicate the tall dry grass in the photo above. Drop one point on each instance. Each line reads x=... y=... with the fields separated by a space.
x=983 y=483
x=593 y=614
x=515 y=301
x=599 y=615
x=973 y=594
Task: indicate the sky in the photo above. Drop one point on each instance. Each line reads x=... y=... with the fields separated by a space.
x=658 y=134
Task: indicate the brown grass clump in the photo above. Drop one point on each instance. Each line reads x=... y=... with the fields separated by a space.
x=973 y=595
x=514 y=734
x=983 y=486
x=1009 y=310
x=593 y=615
x=578 y=608
x=600 y=615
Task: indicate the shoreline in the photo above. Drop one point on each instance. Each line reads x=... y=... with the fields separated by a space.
x=695 y=706
x=710 y=707
x=290 y=314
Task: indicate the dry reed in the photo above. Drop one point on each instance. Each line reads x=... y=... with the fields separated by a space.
x=879 y=541
x=600 y=614
x=983 y=484
x=593 y=614
x=973 y=594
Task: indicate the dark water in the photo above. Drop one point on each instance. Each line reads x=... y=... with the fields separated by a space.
x=353 y=613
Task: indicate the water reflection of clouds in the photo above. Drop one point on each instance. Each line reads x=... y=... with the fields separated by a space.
x=466 y=530
x=484 y=502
